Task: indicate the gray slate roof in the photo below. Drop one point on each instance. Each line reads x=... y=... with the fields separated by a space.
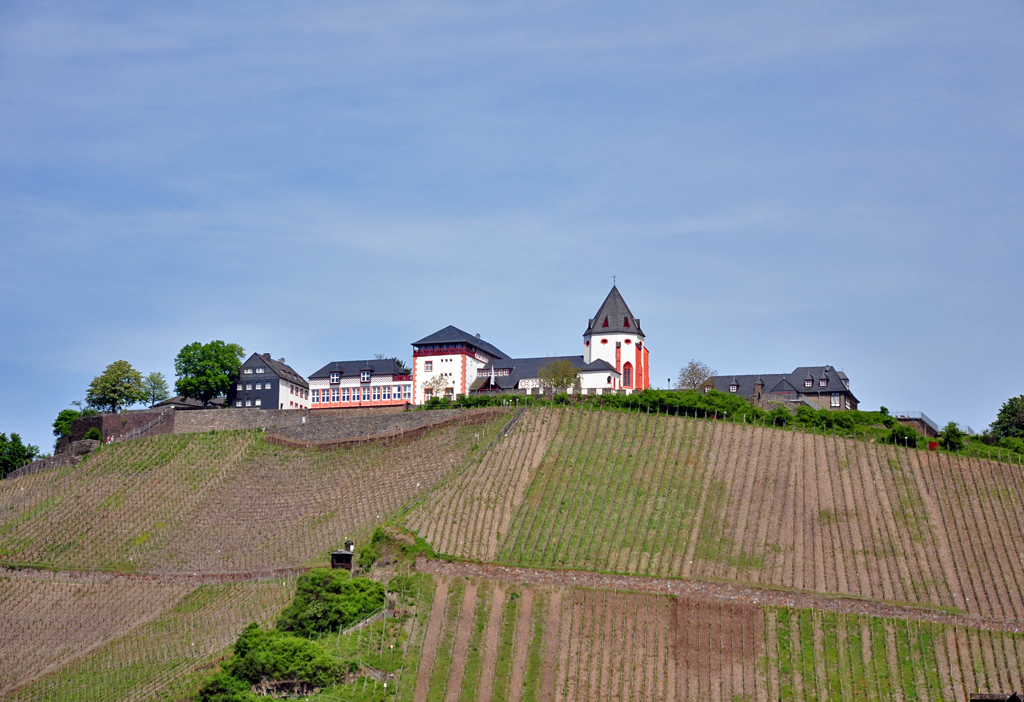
x=787 y=382
x=598 y=366
x=454 y=335
x=349 y=369
x=615 y=312
x=281 y=369
x=523 y=368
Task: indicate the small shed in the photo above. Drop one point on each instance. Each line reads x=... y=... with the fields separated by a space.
x=342 y=558
x=998 y=696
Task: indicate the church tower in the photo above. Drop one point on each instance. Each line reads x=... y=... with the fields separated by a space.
x=614 y=336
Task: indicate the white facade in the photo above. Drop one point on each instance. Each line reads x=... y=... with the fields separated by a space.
x=599 y=381
x=459 y=371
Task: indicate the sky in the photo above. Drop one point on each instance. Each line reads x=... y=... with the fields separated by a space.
x=771 y=185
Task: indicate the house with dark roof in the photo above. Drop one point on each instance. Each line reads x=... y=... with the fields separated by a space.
x=614 y=336
x=524 y=374
x=820 y=387
x=377 y=382
x=448 y=361
x=266 y=383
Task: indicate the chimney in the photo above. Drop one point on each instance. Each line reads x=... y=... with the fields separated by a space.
x=477 y=336
x=280 y=360
x=637 y=322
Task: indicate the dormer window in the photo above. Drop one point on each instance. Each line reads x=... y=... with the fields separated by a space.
x=734 y=387
x=822 y=382
x=336 y=377
x=808 y=383
x=364 y=377
x=625 y=321
x=605 y=323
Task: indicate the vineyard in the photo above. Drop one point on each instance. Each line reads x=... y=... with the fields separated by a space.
x=220 y=502
x=676 y=497
x=497 y=640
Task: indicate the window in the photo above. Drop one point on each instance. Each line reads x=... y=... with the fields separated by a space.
x=625 y=321
x=260 y=370
x=259 y=386
x=836 y=399
x=376 y=393
x=387 y=392
x=604 y=341
x=627 y=376
x=258 y=402
x=248 y=386
x=238 y=403
x=847 y=403
x=822 y=382
x=808 y=382
x=428 y=366
x=248 y=371
x=734 y=387
x=706 y=388
x=335 y=377
x=266 y=385
x=628 y=341
x=587 y=342
x=316 y=396
x=344 y=394
x=364 y=377
x=366 y=394
x=248 y=403
x=238 y=387
x=407 y=395
x=605 y=324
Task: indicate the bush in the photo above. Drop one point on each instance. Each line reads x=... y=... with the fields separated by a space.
x=222 y=687
x=277 y=655
x=94 y=434
x=902 y=435
x=367 y=556
x=952 y=437
x=328 y=600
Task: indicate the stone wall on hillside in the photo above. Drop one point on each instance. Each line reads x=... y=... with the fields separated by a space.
x=119 y=427
x=320 y=429
x=187 y=421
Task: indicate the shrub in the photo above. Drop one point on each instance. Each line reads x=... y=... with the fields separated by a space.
x=902 y=435
x=779 y=417
x=367 y=556
x=277 y=655
x=94 y=434
x=327 y=600
x=222 y=687
x=952 y=437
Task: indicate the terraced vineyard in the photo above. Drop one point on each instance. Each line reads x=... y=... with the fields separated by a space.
x=497 y=640
x=678 y=497
x=226 y=502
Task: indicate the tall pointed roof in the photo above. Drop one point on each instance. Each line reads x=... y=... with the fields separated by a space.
x=614 y=316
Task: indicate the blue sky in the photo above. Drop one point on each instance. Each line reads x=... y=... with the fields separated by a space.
x=773 y=185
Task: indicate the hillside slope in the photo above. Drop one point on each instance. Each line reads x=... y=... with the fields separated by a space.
x=677 y=497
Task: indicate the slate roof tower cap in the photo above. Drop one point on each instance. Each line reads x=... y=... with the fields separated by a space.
x=615 y=317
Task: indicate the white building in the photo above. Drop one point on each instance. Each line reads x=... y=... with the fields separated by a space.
x=614 y=337
x=452 y=355
x=373 y=383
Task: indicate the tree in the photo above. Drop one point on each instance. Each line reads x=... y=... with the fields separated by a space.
x=902 y=435
x=558 y=374
x=118 y=386
x=14 y=454
x=206 y=371
x=693 y=375
x=435 y=386
x=1009 y=422
x=398 y=362
x=155 y=385
x=65 y=418
x=952 y=437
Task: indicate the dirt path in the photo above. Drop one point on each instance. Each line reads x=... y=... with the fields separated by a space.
x=712 y=592
x=152 y=578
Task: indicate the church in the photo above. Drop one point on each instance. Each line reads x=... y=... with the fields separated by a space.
x=615 y=359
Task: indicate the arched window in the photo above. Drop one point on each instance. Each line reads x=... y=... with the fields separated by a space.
x=627 y=376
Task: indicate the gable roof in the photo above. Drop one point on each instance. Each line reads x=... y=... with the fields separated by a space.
x=454 y=335
x=599 y=366
x=787 y=382
x=522 y=369
x=280 y=368
x=615 y=312
x=349 y=369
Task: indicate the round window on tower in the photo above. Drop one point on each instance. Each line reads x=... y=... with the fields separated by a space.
x=587 y=342
x=628 y=341
x=604 y=341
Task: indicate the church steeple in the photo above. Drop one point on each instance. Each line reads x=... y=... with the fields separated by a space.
x=614 y=316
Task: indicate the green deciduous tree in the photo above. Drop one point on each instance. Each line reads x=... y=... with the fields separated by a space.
x=155 y=385
x=206 y=371
x=14 y=454
x=559 y=374
x=952 y=437
x=65 y=418
x=118 y=386
x=398 y=362
x=1010 y=420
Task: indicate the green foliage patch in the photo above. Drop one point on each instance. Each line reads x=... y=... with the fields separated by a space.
x=328 y=600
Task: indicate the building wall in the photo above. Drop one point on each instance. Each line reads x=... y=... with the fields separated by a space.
x=621 y=348
x=460 y=370
x=401 y=383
